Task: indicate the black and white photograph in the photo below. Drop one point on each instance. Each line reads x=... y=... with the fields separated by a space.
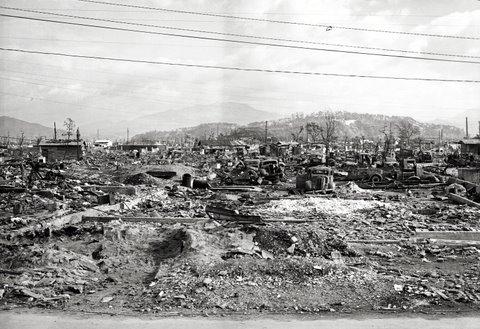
x=233 y=164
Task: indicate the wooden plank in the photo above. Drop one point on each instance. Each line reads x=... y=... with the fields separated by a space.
x=288 y=220
x=460 y=199
x=392 y=241
x=220 y=213
x=131 y=219
x=237 y=188
x=449 y=235
x=127 y=190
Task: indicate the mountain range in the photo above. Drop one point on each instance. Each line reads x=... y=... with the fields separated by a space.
x=229 y=112
x=204 y=121
x=14 y=127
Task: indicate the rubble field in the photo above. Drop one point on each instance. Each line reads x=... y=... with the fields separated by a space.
x=156 y=250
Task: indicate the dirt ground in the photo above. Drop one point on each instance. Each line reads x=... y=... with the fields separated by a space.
x=354 y=255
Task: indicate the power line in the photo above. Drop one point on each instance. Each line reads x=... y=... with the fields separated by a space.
x=248 y=12
x=279 y=21
x=235 y=34
x=238 y=68
x=65 y=103
x=154 y=100
x=151 y=77
x=201 y=92
x=241 y=41
x=190 y=90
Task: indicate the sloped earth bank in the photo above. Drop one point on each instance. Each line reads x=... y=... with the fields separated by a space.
x=223 y=268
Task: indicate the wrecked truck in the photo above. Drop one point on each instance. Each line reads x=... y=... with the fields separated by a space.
x=318 y=178
x=256 y=171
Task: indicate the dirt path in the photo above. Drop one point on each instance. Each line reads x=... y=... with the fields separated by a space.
x=60 y=321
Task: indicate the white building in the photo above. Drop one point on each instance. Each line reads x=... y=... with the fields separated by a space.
x=103 y=143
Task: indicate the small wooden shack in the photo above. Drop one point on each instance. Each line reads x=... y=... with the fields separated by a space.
x=63 y=150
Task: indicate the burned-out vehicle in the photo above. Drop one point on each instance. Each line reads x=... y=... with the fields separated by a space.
x=410 y=172
x=272 y=170
x=406 y=171
x=318 y=178
x=374 y=175
x=243 y=173
x=256 y=171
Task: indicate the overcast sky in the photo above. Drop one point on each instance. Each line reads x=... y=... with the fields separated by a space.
x=41 y=88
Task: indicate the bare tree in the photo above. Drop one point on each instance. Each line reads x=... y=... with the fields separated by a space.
x=418 y=141
x=356 y=141
x=38 y=140
x=313 y=131
x=389 y=141
x=328 y=131
x=297 y=137
x=69 y=125
x=406 y=130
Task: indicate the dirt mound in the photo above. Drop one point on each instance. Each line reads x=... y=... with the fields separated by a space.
x=306 y=242
x=141 y=179
x=179 y=169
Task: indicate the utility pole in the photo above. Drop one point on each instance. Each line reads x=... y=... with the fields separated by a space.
x=266 y=131
x=127 y=136
x=466 y=127
x=54 y=131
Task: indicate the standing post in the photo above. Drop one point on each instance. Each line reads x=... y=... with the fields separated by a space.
x=266 y=131
x=466 y=126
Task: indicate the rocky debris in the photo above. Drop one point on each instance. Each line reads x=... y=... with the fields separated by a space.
x=357 y=251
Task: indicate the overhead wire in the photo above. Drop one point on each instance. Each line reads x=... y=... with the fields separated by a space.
x=316 y=95
x=241 y=41
x=65 y=103
x=237 y=34
x=134 y=94
x=233 y=68
x=326 y=26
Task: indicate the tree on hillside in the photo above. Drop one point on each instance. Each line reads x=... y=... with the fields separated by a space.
x=406 y=130
x=69 y=125
x=328 y=131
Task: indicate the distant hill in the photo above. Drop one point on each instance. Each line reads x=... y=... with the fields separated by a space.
x=457 y=119
x=221 y=112
x=228 y=112
x=352 y=124
x=370 y=126
x=15 y=127
x=202 y=131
